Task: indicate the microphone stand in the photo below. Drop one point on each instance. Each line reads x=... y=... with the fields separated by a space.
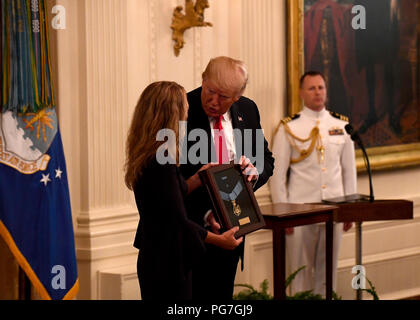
x=359 y=142
x=355 y=137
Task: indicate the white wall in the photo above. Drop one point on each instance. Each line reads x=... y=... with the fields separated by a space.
x=109 y=52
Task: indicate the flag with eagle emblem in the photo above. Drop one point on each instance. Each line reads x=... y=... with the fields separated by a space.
x=35 y=212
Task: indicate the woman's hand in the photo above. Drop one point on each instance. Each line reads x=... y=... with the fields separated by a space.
x=214 y=225
x=194 y=181
x=226 y=240
x=229 y=241
x=207 y=166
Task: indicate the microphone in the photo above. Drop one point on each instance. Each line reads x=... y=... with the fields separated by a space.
x=354 y=135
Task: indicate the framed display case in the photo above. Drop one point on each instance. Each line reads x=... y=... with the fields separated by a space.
x=233 y=199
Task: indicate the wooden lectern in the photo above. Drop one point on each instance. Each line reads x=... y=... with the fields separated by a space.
x=279 y=216
x=371 y=211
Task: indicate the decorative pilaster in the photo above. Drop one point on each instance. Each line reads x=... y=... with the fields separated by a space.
x=263 y=50
x=107 y=219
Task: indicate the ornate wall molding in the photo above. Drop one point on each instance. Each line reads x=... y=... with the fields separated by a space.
x=107 y=102
x=153 y=21
x=198 y=67
x=263 y=51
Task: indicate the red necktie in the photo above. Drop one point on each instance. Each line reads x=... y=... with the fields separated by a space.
x=220 y=142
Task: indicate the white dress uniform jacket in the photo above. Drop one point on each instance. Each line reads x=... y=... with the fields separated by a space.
x=313 y=179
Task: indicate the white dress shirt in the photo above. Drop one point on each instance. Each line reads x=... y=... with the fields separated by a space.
x=228 y=132
x=230 y=143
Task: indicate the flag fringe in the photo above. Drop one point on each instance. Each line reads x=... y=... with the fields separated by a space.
x=23 y=263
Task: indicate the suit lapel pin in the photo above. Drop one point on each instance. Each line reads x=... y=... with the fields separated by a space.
x=240 y=118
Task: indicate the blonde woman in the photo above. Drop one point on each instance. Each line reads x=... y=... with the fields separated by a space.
x=169 y=243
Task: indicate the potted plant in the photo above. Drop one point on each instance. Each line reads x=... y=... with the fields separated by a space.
x=250 y=293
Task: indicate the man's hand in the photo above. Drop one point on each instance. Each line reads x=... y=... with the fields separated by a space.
x=289 y=231
x=347 y=226
x=248 y=169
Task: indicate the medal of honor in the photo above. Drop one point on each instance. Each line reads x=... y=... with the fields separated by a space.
x=236 y=208
x=232 y=198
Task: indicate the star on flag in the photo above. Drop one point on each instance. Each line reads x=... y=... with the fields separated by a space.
x=45 y=179
x=58 y=173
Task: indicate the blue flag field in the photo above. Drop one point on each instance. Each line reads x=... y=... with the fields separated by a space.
x=35 y=212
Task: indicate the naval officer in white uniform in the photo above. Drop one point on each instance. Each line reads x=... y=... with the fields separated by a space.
x=315 y=160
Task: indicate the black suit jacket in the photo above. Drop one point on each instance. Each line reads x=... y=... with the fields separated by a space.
x=170 y=244
x=379 y=42
x=245 y=115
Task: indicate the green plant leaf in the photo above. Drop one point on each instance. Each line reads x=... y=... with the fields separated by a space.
x=250 y=293
x=372 y=290
x=291 y=277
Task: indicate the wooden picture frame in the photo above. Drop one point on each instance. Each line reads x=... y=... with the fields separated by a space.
x=386 y=148
x=233 y=199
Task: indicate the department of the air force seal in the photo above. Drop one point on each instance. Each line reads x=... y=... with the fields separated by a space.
x=24 y=139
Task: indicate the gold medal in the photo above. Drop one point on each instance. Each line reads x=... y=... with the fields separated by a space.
x=236 y=208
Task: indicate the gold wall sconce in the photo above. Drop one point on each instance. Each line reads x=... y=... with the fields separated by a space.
x=193 y=17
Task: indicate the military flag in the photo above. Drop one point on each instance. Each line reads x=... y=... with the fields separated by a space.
x=35 y=212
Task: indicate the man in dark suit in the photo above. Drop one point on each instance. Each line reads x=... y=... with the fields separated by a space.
x=219 y=104
x=378 y=44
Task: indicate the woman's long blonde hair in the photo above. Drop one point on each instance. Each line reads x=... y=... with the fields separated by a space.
x=161 y=106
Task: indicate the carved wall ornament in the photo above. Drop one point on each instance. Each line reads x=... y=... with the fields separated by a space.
x=193 y=17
